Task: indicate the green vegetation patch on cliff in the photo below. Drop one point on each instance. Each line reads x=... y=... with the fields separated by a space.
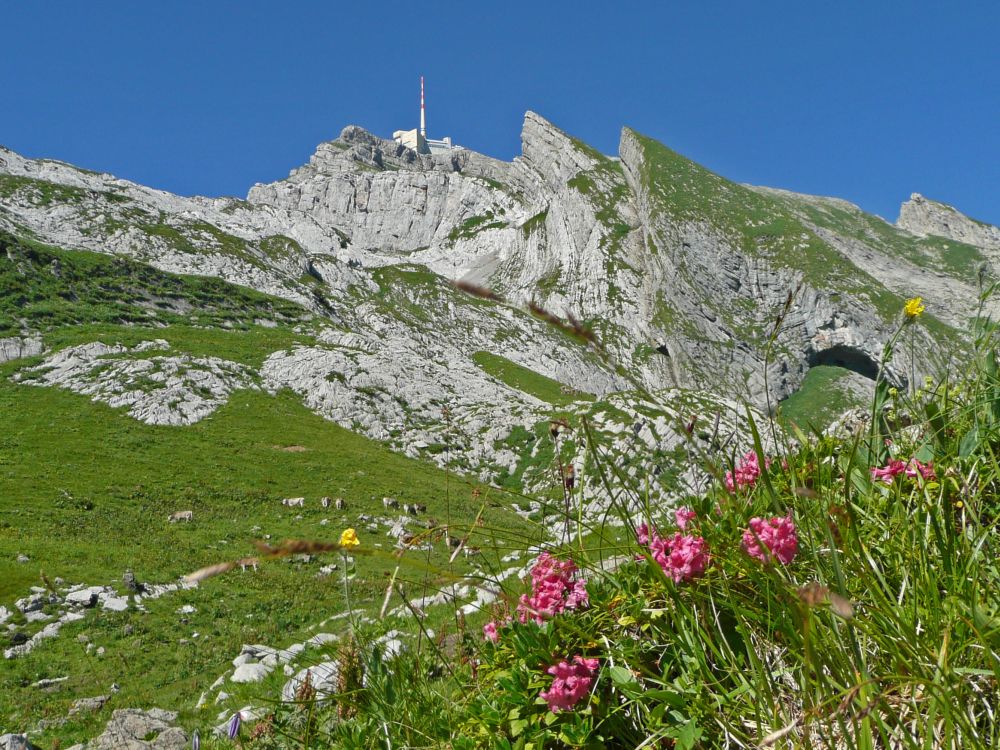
x=42 y=288
x=757 y=224
x=474 y=225
x=527 y=380
x=823 y=396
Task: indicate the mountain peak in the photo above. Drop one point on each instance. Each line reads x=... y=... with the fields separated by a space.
x=923 y=216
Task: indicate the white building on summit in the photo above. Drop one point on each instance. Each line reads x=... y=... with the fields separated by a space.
x=417 y=139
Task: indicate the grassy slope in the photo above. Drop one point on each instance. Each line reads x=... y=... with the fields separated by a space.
x=934 y=253
x=62 y=455
x=760 y=226
x=819 y=400
x=45 y=287
x=525 y=379
x=85 y=491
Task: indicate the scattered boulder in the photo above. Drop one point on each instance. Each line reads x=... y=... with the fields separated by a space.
x=135 y=729
x=16 y=742
x=323 y=677
x=85 y=597
x=115 y=603
x=131 y=584
x=48 y=682
x=88 y=705
x=251 y=672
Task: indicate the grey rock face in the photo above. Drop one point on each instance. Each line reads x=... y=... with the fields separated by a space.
x=16 y=742
x=135 y=729
x=15 y=348
x=251 y=672
x=323 y=678
x=157 y=390
x=922 y=216
x=88 y=705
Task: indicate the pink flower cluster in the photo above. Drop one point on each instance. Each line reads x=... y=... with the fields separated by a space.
x=571 y=683
x=747 y=472
x=490 y=631
x=683 y=557
x=553 y=590
x=683 y=516
x=777 y=535
x=895 y=467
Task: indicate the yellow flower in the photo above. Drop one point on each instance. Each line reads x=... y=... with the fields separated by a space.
x=349 y=538
x=914 y=307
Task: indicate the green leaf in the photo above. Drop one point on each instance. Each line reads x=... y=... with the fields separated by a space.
x=969 y=443
x=667 y=697
x=688 y=736
x=623 y=678
x=936 y=419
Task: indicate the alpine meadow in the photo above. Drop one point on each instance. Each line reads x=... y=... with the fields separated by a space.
x=420 y=448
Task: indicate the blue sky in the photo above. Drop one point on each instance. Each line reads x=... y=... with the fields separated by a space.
x=868 y=101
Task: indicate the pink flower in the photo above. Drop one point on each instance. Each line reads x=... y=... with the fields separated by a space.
x=778 y=537
x=926 y=471
x=896 y=467
x=490 y=632
x=682 y=516
x=746 y=472
x=642 y=534
x=553 y=590
x=682 y=557
x=893 y=469
x=572 y=682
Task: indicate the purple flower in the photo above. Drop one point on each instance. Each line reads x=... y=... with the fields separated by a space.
x=234 y=725
x=196 y=740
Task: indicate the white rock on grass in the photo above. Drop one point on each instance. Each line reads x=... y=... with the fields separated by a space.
x=251 y=672
x=163 y=390
x=114 y=603
x=323 y=678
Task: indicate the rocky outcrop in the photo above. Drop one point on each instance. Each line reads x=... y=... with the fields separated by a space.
x=922 y=216
x=172 y=390
x=135 y=729
x=16 y=348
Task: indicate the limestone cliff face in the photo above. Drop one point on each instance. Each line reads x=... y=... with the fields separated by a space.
x=682 y=273
x=922 y=216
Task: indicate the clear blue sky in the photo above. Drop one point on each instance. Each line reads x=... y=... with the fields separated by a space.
x=868 y=101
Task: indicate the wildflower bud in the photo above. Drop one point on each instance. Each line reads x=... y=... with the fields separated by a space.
x=196 y=740
x=234 y=725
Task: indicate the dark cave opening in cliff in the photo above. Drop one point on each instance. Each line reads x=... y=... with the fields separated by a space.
x=847 y=357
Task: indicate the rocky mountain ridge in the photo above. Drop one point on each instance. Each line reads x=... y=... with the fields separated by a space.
x=680 y=272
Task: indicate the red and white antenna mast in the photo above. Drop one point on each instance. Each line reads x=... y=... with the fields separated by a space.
x=423 y=119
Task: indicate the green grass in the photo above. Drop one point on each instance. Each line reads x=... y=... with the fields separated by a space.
x=881 y=628
x=474 y=225
x=819 y=400
x=43 y=193
x=527 y=380
x=934 y=253
x=94 y=288
x=85 y=492
x=758 y=224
